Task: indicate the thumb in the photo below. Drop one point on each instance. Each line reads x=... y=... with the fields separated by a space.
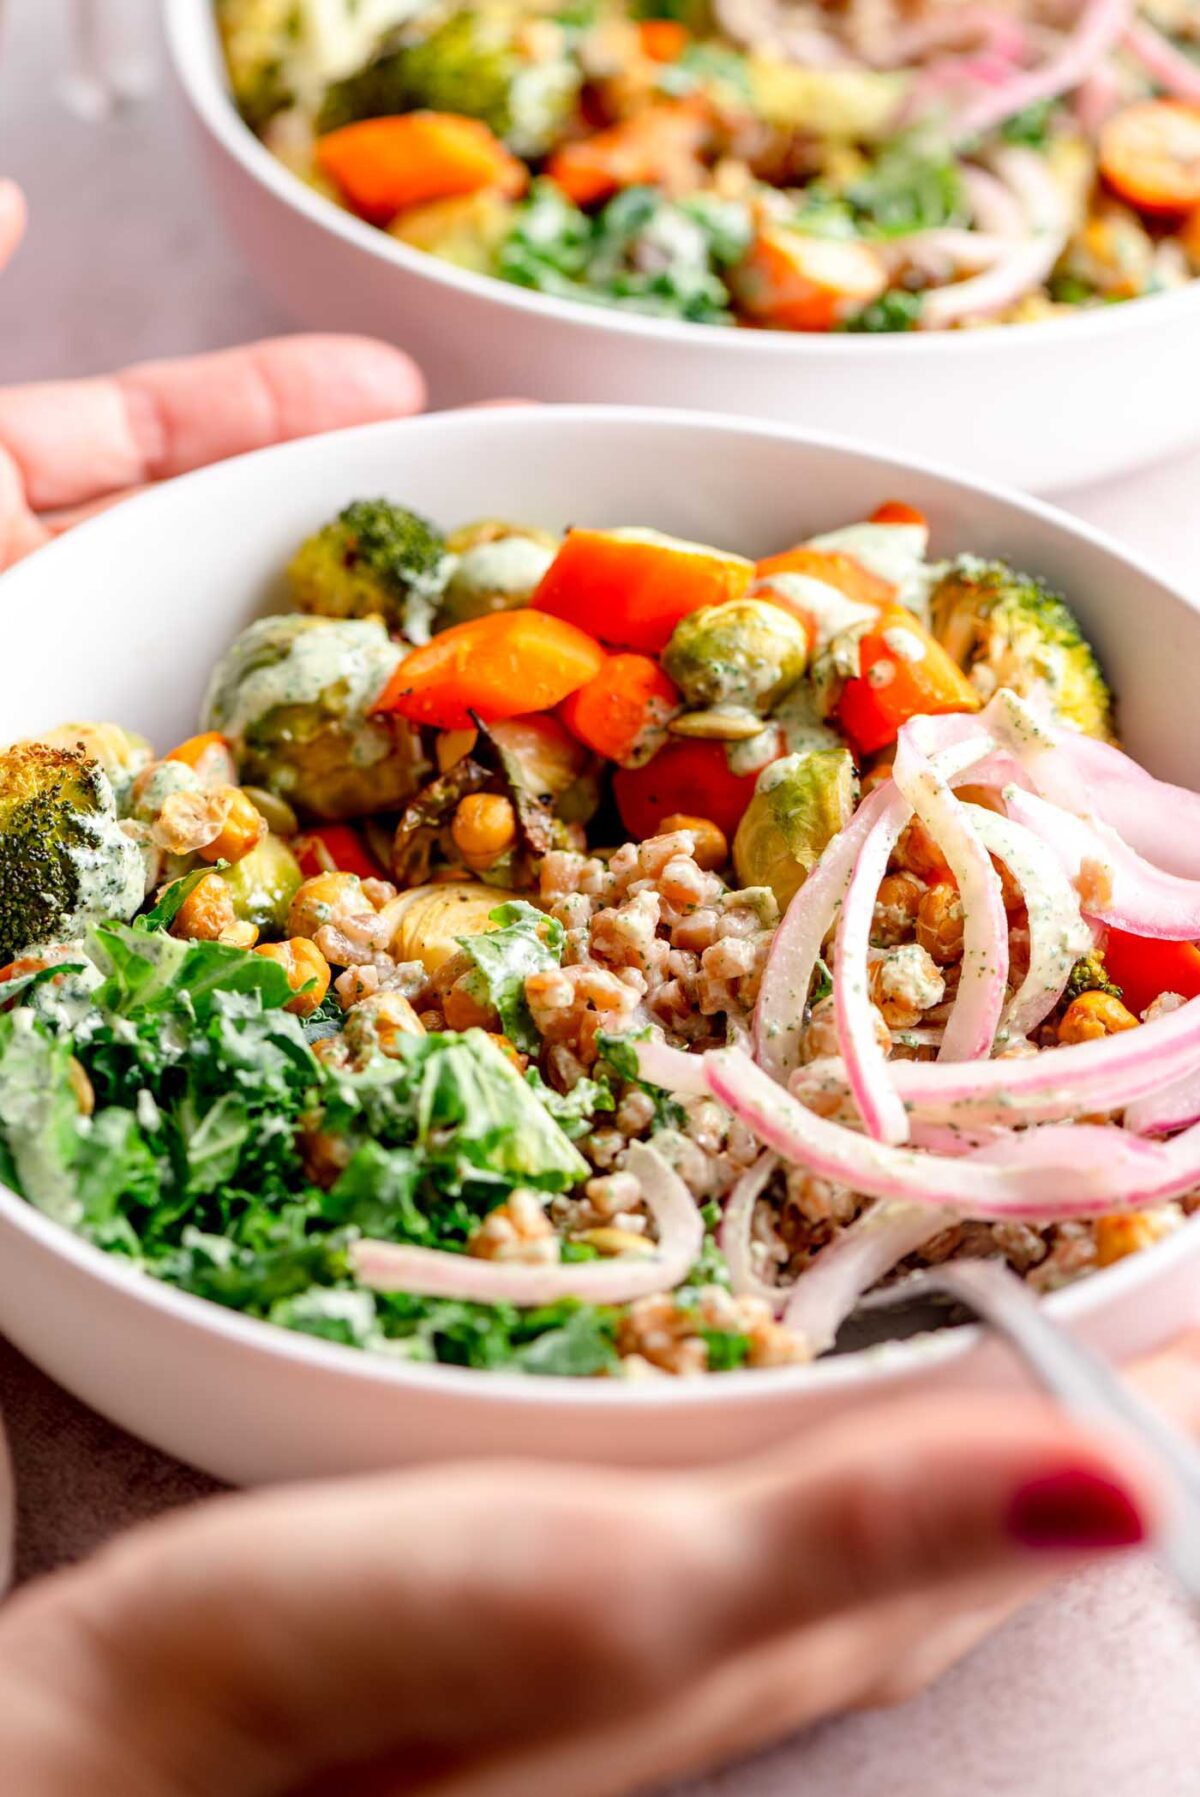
x=930 y=1492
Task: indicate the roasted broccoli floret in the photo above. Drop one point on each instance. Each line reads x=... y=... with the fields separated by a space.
x=375 y=559
x=1089 y=974
x=260 y=38
x=64 y=858
x=294 y=695
x=474 y=62
x=282 y=53
x=1007 y=629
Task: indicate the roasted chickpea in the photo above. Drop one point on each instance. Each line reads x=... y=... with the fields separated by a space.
x=324 y=899
x=711 y=848
x=917 y=853
x=896 y=909
x=940 y=922
x=243 y=829
x=1094 y=1014
x=484 y=829
x=1117 y=1237
x=207 y=915
x=306 y=968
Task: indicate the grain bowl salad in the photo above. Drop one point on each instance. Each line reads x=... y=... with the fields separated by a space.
x=792 y=165
x=607 y=955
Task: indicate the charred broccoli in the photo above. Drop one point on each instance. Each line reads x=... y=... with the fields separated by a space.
x=1007 y=629
x=375 y=559
x=64 y=858
x=1089 y=974
x=294 y=694
x=260 y=37
x=473 y=62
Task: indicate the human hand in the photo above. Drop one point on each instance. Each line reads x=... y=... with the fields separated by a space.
x=69 y=448
x=518 y=1631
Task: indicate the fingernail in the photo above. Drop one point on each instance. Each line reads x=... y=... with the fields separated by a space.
x=1075 y=1509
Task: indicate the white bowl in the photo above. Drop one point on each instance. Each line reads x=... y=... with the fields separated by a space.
x=1045 y=406
x=124 y=618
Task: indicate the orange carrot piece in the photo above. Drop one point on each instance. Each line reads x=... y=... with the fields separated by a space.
x=657 y=147
x=208 y=755
x=689 y=776
x=835 y=568
x=497 y=666
x=617 y=711
x=1150 y=153
x=630 y=588
x=904 y=673
x=663 y=40
x=383 y=166
x=793 y=282
x=898 y=511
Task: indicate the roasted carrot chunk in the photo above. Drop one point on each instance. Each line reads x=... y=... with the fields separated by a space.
x=905 y=673
x=498 y=666
x=631 y=587
x=618 y=712
x=687 y=776
x=794 y=282
x=1150 y=153
x=383 y=166
x=657 y=147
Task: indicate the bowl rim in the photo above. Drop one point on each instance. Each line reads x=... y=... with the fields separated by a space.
x=188 y=22
x=870 y=1368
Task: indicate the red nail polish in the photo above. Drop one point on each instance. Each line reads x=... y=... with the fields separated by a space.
x=1075 y=1509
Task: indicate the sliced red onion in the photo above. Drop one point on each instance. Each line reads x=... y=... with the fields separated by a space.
x=796 y=948
x=1158 y=820
x=996 y=31
x=824 y=1296
x=674 y=1069
x=1169 y=66
x=1101 y=23
x=995 y=208
x=735 y=1236
x=1057 y=932
x=978 y=1004
x=395 y=1267
x=1101 y=1075
x=865 y=1060
x=1121 y=888
x=1168 y=1109
x=1057 y=1172
x=943 y=253
x=1096 y=99
x=1030 y=260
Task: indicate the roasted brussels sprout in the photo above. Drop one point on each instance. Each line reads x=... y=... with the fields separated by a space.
x=375 y=559
x=293 y=696
x=121 y=753
x=64 y=858
x=467 y=230
x=1006 y=629
x=263 y=885
x=746 y=652
x=498 y=568
x=430 y=919
x=799 y=805
x=477 y=61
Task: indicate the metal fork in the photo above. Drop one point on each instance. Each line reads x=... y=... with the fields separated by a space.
x=1085 y=1385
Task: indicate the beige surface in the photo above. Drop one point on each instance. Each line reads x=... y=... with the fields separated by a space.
x=1096 y=1690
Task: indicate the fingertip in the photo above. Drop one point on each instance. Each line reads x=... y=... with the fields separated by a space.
x=13 y=218
x=345 y=380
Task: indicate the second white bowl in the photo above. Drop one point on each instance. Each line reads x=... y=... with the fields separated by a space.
x=1044 y=406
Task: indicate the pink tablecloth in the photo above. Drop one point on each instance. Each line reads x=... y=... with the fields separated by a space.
x=1095 y=1690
